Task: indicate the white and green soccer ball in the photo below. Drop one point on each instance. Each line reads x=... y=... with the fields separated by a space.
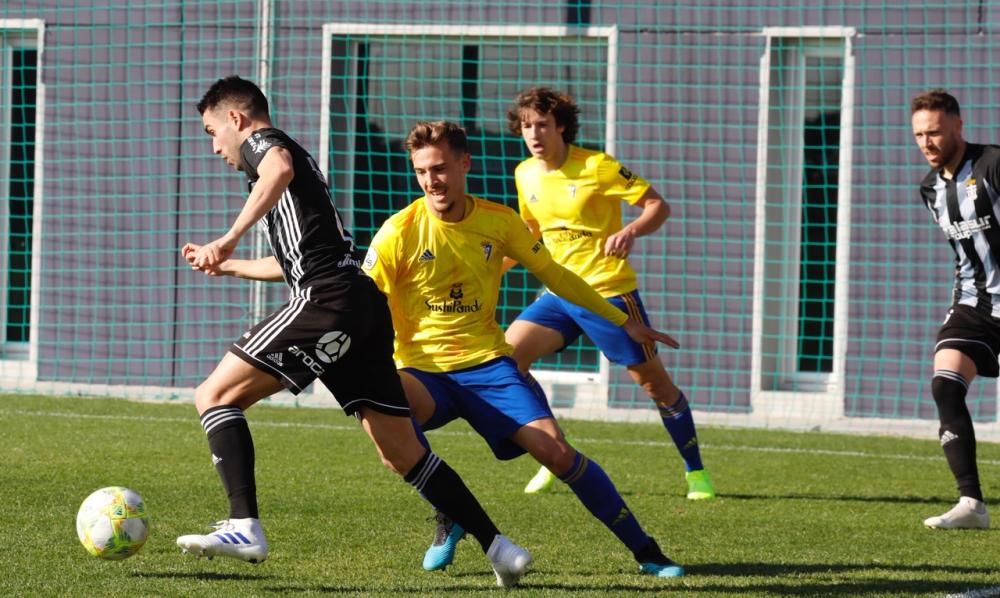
x=112 y=523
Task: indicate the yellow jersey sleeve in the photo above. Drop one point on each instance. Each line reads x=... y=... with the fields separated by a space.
x=619 y=183
x=522 y=246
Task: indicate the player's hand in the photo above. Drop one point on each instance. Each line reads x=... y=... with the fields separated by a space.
x=189 y=251
x=620 y=244
x=213 y=254
x=645 y=335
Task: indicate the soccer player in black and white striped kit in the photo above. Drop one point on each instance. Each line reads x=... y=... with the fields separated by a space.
x=336 y=327
x=962 y=192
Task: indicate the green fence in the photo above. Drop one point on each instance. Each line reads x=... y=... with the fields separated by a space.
x=799 y=269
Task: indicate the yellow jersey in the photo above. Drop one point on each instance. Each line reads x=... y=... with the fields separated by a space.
x=443 y=281
x=577 y=207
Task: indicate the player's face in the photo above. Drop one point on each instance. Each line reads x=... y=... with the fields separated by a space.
x=542 y=135
x=441 y=173
x=939 y=136
x=226 y=140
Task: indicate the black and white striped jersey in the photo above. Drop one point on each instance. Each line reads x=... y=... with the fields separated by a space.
x=306 y=234
x=966 y=209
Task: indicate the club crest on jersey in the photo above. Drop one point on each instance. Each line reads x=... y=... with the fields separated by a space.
x=487 y=249
x=257 y=144
x=970 y=190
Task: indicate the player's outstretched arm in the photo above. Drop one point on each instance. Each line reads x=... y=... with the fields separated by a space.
x=572 y=288
x=276 y=172
x=536 y=232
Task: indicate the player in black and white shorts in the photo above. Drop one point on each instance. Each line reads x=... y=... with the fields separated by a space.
x=348 y=349
x=974 y=334
x=962 y=192
x=336 y=327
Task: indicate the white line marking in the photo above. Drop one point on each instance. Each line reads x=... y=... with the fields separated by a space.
x=256 y=422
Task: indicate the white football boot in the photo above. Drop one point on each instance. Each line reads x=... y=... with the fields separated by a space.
x=236 y=538
x=510 y=561
x=969 y=513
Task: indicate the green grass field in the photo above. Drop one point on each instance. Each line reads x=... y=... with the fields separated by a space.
x=798 y=514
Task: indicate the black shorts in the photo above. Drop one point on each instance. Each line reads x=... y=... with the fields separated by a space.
x=975 y=334
x=347 y=343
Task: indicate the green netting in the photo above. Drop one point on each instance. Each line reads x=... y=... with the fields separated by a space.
x=799 y=269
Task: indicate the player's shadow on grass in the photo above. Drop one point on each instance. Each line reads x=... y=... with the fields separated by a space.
x=203 y=575
x=772 y=569
x=444 y=588
x=929 y=500
x=875 y=578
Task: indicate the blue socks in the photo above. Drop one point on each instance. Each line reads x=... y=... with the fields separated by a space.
x=678 y=421
x=598 y=493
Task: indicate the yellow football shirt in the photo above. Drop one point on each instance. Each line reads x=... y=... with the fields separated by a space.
x=577 y=207
x=443 y=281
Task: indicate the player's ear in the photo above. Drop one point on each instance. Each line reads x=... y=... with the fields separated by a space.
x=237 y=118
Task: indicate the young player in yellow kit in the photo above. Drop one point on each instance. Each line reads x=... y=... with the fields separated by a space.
x=572 y=198
x=439 y=261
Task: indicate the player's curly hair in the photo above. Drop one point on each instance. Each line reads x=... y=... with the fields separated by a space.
x=546 y=101
x=427 y=133
x=243 y=94
x=936 y=99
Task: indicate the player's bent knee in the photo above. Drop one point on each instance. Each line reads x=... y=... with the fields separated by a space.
x=402 y=463
x=206 y=397
x=557 y=456
x=397 y=443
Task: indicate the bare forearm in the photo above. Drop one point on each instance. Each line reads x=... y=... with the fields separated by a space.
x=265 y=269
x=655 y=212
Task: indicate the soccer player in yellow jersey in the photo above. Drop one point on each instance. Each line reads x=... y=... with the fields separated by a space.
x=439 y=261
x=571 y=198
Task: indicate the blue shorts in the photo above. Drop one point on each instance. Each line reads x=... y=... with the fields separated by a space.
x=571 y=320
x=493 y=397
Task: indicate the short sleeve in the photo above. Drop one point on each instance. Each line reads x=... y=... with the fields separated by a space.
x=255 y=147
x=380 y=261
x=618 y=182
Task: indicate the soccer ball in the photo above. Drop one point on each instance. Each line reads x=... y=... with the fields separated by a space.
x=112 y=523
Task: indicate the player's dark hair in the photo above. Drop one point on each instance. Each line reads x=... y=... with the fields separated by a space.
x=936 y=99
x=242 y=94
x=543 y=100
x=426 y=133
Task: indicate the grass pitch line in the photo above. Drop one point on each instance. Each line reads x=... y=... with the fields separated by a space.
x=981 y=593
x=257 y=422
